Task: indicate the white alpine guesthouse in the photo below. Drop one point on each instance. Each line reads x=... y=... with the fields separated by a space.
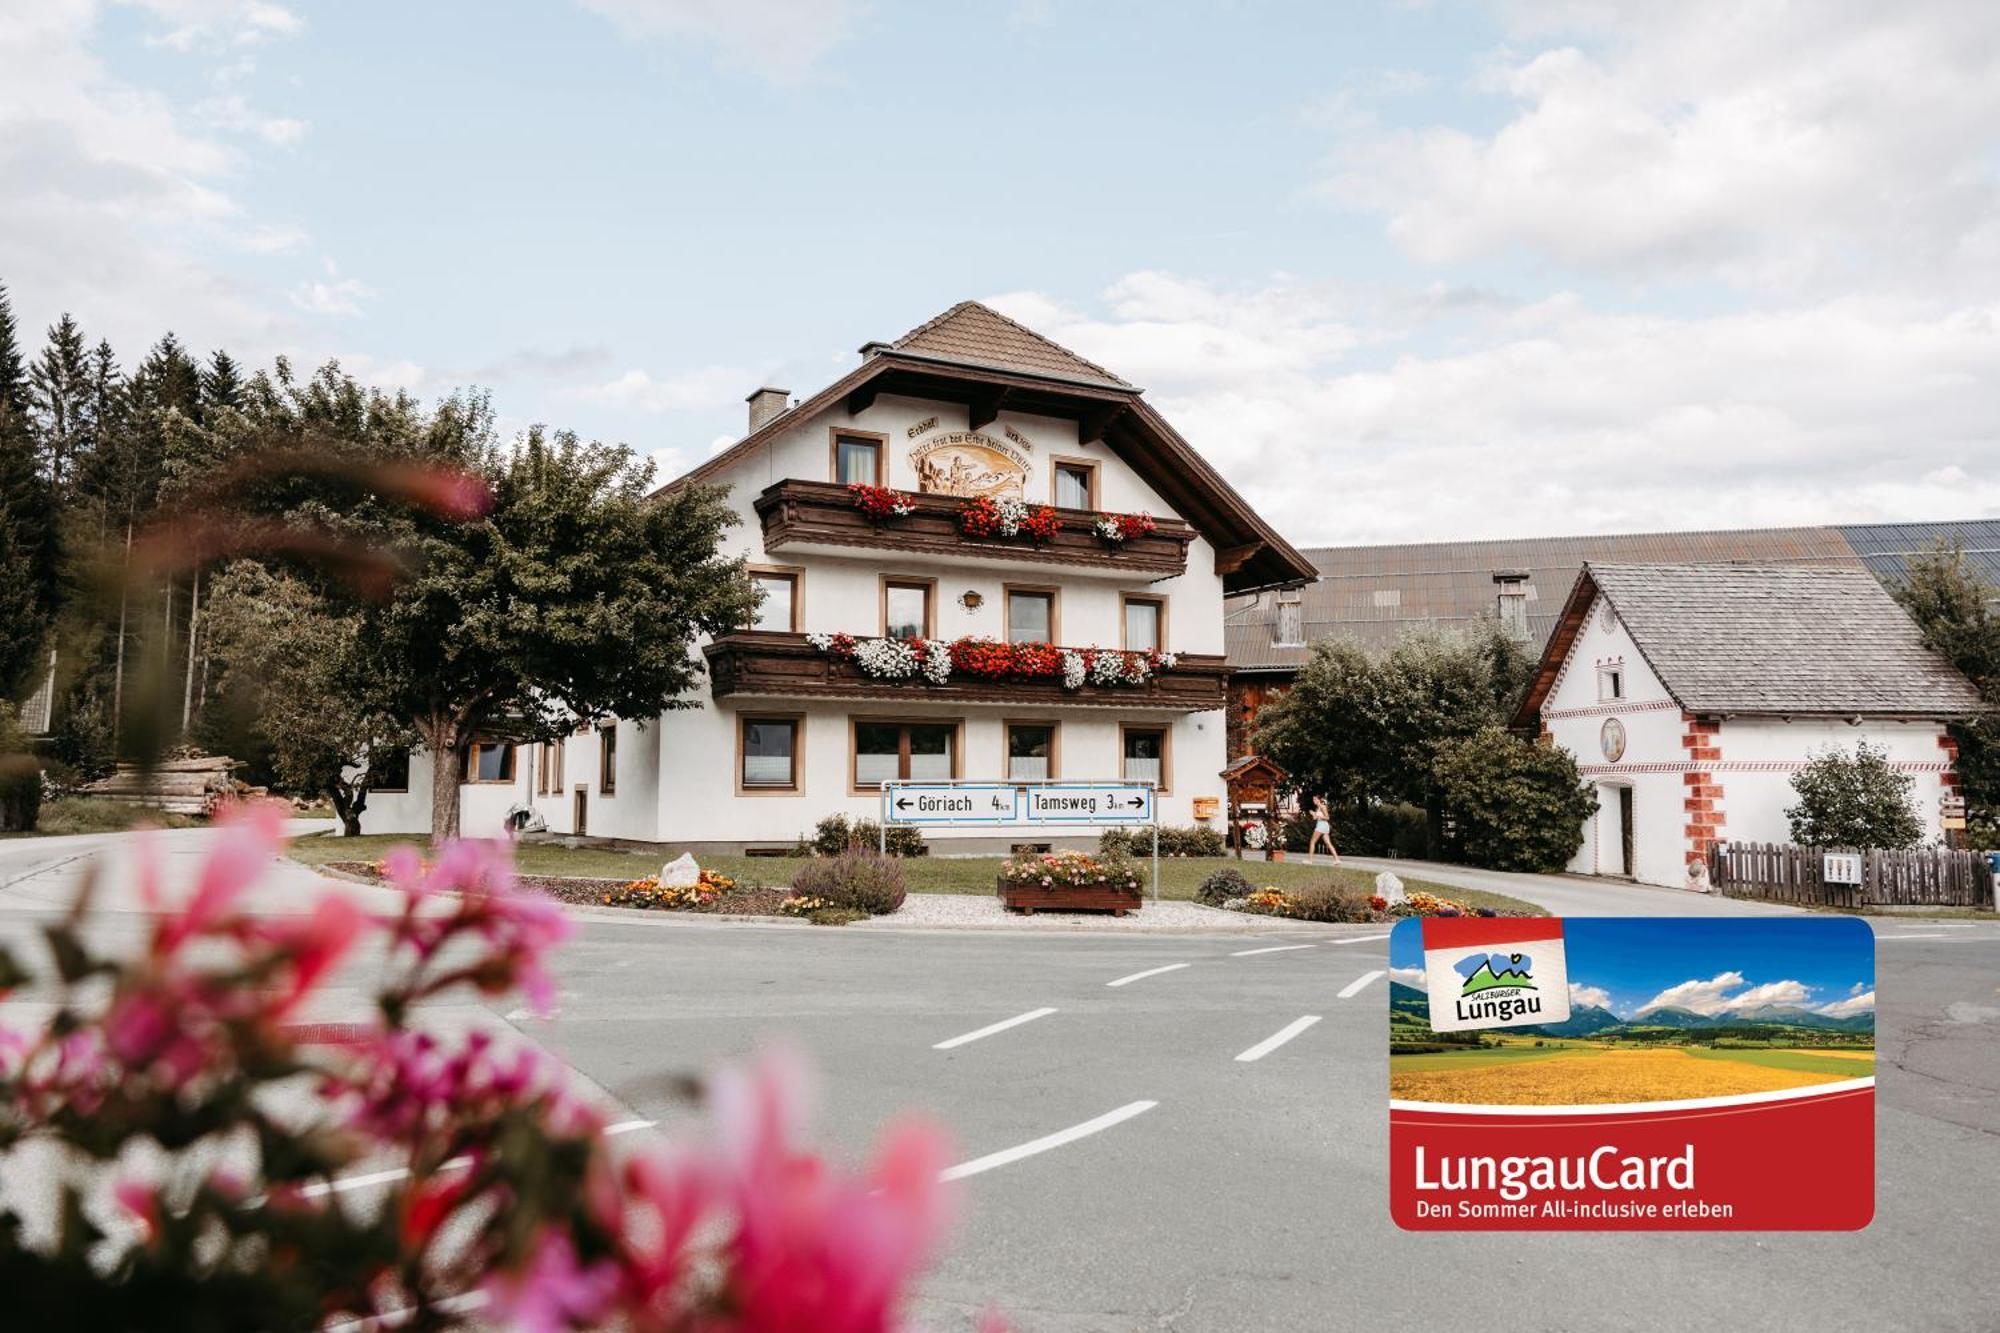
x=982 y=557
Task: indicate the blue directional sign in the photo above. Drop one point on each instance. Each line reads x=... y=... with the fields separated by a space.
x=1089 y=803
x=946 y=803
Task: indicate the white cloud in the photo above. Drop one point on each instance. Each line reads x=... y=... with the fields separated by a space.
x=331 y=295
x=1591 y=995
x=195 y=23
x=1738 y=137
x=780 y=39
x=1858 y=1002
x=1720 y=994
x=1409 y=976
x=233 y=112
x=693 y=390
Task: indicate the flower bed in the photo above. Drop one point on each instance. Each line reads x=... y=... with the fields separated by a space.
x=1117 y=529
x=1070 y=882
x=879 y=503
x=1331 y=903
x=937 y=661
x=984 y=516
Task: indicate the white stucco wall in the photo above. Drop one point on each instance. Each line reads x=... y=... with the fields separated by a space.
x=1758 y=756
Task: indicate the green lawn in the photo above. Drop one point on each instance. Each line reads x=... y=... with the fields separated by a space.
x=1804 y=1061
x=1179 y=876
x=84 y=814
x=1475 y=1058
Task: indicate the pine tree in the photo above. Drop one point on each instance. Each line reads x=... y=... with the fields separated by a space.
x=29 y=582
x=221 y=383
x=60 y=396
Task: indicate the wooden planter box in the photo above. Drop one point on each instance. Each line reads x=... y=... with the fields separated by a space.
x=1027 y=899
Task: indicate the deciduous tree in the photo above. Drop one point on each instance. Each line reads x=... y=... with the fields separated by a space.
x=1853 y=800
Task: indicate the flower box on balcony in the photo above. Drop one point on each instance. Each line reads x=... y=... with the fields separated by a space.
x=804 y=515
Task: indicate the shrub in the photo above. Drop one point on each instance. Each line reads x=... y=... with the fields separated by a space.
x=20 y=793
x=1387 y=828
x=1175 y=840
x=1853 y=801
x=835 y=835
x=1516 y=804
x=1327 y=902
x=861 y=880
x=1221 y=886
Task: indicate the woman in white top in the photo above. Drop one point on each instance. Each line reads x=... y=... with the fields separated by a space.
x=1322 y=828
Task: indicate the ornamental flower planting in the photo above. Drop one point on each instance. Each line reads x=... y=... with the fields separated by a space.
x=1070 y=881
x=984 y=516
x=1120 y=528
x=937 y=662
x=879 y=503
x=192 y=1141
x=647 y=893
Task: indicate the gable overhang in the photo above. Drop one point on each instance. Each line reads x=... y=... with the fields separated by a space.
x=1569 y=627
x=1250 y=556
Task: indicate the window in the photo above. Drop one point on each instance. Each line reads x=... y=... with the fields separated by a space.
x=1031 y=751
x=1075 y=484
x=1031 y=615
x=1611 y=682
x=857 y=460
x=778 y=607
x=770 y=754
x=542 y=768
x=1145 y=619
x=904 y=751
x=389 y=770
x=906 y=608
x=489 y=761
x=607 y=760
x=1146 y=755
x=1291 y=627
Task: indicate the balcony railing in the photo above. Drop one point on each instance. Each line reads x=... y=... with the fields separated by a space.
x=819 y=513
x=779 y=665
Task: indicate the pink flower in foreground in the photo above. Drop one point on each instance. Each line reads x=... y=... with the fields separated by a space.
x=315 y=945
x=137 y=1198
x=553 y=1293
x=519 y=926
x=815 y=1248
x=252 y=833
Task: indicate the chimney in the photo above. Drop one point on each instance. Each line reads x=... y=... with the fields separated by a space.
x=766 y=404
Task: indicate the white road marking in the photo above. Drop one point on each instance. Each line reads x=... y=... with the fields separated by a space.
x=628 y=1127
x=1359 y=984
x=1359 y=939
x=1275 y=948
x=342 y=1184
x=1278 y=1038
x=1149 y=972
x=1913 y=937
x=1007 y=1156
x=992 y=1028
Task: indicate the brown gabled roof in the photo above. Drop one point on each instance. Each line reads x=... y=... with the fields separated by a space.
x=977 y=335
x=1249 y=552
x=1783 y=640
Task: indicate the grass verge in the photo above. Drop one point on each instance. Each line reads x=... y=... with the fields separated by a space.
x=87 y=814
x=1179 y=876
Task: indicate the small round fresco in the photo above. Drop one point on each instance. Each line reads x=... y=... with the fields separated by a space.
x=1611 y=739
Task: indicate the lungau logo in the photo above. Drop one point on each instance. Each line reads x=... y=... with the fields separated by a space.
x=1489 y=974
x=1503 y=983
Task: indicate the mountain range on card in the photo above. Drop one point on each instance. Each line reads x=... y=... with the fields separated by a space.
x=1589 y=1020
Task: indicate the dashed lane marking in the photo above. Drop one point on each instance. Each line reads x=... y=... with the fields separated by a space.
x=992 y=1028
x=1007 y=1156
x=1359 y=939
x=1359 y=984
x=1278 y=1038
x=1149 y=972
x=1275 y=948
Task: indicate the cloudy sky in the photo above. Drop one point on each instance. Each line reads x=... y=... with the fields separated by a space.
x=1405 y=271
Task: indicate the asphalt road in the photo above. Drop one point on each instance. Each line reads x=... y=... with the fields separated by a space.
x=1217 y=1193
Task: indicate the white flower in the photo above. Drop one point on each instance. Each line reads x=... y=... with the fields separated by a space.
x=1168 y=661
x=937 y=661
x=886 y=659
x=1010 y=513
x=1073 y=669
x=823 y=642
x=902 y=509
x=1109 y=529
x=1107 y=668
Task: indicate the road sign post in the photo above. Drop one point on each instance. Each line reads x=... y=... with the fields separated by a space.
x=966 y=802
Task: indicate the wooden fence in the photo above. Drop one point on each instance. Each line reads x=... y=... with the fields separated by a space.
x=1919 y=877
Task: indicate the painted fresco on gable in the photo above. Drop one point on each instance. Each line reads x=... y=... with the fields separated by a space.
x=966 y=463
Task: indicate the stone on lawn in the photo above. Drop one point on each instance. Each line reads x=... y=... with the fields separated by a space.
x=1388 y=887
x=680 y=873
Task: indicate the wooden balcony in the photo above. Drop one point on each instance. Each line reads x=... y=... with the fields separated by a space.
x=820 y=515
x=775 y=665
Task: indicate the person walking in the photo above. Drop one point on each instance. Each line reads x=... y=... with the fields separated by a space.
x=1322 y=828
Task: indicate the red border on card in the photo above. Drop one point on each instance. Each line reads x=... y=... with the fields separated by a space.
x=1458 y=932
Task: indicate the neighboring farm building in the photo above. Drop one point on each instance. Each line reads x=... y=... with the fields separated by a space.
x=1691 y=693
x=1375 y=593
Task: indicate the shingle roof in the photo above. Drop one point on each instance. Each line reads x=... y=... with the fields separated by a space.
x=1374 y=593
x=981 y=336
x=1786 y=639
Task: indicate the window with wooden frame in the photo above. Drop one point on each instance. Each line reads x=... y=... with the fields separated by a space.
x=389 y=771
x=858 y=458
x=768 y=753
x=1073 y=483
x=542 y=768
x=886 y=750
x=1147 y=754
x=488 y=761
x=1145 y=624
x=1032 y=615
x=1031 y=751
x=779 y=606
x=909 y=608
x=607 y=759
